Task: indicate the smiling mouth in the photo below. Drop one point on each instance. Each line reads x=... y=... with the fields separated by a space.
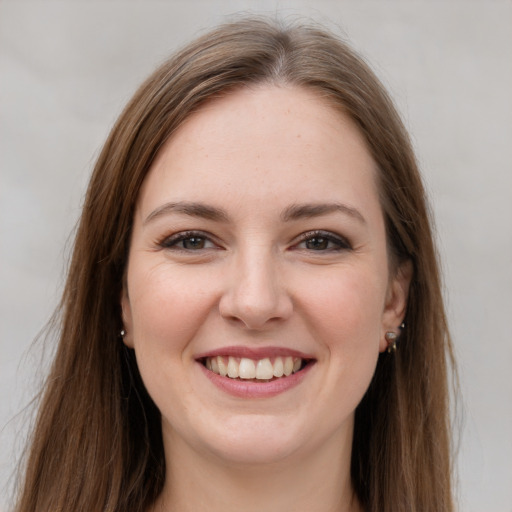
x=256 y=370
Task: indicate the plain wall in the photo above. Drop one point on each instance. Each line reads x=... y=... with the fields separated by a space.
x=66 y=70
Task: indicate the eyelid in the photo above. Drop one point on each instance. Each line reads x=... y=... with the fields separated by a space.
x=172 y=241
x=341 y=241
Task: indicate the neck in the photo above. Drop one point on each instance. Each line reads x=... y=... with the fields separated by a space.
x=316 y=482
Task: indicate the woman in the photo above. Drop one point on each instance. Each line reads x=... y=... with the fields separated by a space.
x=253 y=316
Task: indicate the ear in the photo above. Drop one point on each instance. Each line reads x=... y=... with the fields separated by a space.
x=396 y=301
x=126 y=311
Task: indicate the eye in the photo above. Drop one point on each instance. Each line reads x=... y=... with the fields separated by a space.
x=188 y=241
x=322 y=241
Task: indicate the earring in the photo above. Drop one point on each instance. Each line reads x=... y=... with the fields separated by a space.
x=122 y=333
x=391 y=338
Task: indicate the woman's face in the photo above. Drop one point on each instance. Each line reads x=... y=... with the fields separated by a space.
x=259 y=249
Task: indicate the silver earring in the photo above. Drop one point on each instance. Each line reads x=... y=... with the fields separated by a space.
x=391 y=338
x=122 y=333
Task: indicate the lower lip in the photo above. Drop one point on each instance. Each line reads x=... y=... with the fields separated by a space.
x=251 y=389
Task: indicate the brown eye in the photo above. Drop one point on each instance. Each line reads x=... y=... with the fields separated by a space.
x=193 y=242
x=323 y=241
x=187 y=241
x=317 y=244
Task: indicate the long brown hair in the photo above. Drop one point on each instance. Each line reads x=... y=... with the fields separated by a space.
x=97 y=442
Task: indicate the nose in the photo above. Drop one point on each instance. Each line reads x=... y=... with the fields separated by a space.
x=255 y=294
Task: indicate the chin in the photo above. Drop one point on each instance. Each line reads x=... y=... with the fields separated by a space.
x=248 y=439
x=253 y=445
x=259 y=439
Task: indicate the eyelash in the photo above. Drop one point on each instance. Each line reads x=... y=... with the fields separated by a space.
x=171 y=242
x=340 y=243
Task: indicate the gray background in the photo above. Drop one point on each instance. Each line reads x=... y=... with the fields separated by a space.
x=67 y=68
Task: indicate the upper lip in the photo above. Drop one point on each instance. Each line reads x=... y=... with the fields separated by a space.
x=255 y=353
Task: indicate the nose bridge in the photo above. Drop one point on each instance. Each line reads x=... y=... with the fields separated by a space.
x=255 y=294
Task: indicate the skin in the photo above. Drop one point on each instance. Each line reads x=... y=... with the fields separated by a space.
x=253 y=279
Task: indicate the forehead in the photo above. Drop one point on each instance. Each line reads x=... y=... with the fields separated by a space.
x=271 y=143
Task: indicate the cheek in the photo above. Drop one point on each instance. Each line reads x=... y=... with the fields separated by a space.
x=346 y=317
x=348 y=305
x=167 y=305
x=344 y=314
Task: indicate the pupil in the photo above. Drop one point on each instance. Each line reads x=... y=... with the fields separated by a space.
x=193 y=243
x=317 y=243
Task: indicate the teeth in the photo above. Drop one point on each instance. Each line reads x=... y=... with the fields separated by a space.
x=233 y=368
x=278 y=367
x=245 y=368
x=288 y=366
x=214 y=365
x=264 y=369
x=223 y=369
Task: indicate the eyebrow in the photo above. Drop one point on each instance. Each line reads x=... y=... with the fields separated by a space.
x=291 y=213
x=191 y=209
x=301 y=211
